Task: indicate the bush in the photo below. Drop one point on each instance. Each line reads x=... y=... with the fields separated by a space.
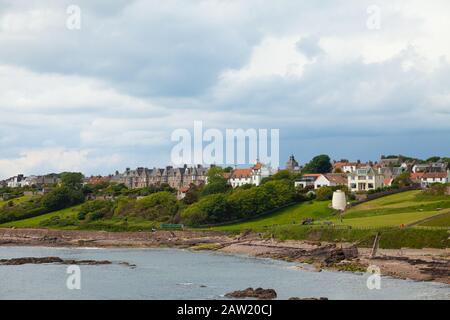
x=210 y=209
x=62 y=197
x=159 y=206
x=94 y=210
x=436 y=189
x=241 y=203
x=324 y=193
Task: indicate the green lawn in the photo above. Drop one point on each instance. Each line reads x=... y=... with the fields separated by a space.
x=289 y=215
x=16 y=200
x=402 y=208
x=35 y=221
x=389 y=220
x=440 y=221
x=114 y=224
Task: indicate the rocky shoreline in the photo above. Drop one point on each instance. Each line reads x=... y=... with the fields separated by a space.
x=420 y=265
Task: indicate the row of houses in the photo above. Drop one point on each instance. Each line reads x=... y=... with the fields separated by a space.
x=30 y=181
x=176 y=178
x=366 y=178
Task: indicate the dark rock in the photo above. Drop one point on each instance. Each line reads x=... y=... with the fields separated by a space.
x=41 y=260
x=258 y=293
x=297 y=298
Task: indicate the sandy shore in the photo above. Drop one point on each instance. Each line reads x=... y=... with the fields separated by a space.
x=421 y=265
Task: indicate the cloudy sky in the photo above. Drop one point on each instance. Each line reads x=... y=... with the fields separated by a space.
x=326 y=73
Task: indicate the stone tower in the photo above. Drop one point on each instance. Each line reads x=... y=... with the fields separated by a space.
x=292 y=164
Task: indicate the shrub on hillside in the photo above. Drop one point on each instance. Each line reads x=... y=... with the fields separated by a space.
x=436 y=189
x=241 y=203
x=159 y=206
x=210 y=209
x=62 y=197
x=97 y=209
x=324 y=193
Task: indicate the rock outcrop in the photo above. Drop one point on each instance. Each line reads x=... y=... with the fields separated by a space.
x=258 y=293
x=54 y=260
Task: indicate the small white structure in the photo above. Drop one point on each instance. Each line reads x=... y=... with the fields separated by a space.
x=339 y=200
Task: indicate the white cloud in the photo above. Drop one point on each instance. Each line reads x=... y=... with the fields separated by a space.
x=139 y=69
x=47 y=160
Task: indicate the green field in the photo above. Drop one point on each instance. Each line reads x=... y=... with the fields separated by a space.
x=16 y=200
x=114 y=224
x=393 y=211
x=35 y=221
x=439 y=221
x=290 y=215
x=408 y=219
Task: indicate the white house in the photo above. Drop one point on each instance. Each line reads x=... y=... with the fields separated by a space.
x=330 y=180
x=365 y=179
x=253 y=175
x=307 y=180
x=430 y=178
x=15 y=182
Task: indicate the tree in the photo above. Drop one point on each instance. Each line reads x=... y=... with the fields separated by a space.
x=159 y=206
x=324 y=193
x=433 y=159
x=319 y=164
x=210 y=209
x=217 y=183
x=403 y=180
x=192 y=195
x=72 y=180
x=62 y=197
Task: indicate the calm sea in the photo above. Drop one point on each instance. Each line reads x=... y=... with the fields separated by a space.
x=182 y=274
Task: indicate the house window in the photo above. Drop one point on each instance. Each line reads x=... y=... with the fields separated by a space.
x=353 y=185
x=370 y=186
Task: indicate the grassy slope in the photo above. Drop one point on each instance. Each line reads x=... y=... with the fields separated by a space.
x=390 y=211
x=295 y=213
x=34 y=222
x=441 y=221
x=16 y=200
x=394 y=210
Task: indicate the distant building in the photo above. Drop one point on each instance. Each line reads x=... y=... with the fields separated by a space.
x=345 y=166
x=440 y=166
x=16 y=181
x=252 y=176
x=307 y=180
x=175 y=177
x=98 y=179
x=365 y=179
x=331 y=180
x=430 y=178
x=292 y=165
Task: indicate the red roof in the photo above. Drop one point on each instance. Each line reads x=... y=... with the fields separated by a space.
x=241 y=173
x=339 y=179
x=312 y=175
x=417 y=175
x=431 y=175
x=184 y=189
x=388 y=181
x=257 y=166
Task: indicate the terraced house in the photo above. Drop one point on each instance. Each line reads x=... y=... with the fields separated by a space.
x=177 y=178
